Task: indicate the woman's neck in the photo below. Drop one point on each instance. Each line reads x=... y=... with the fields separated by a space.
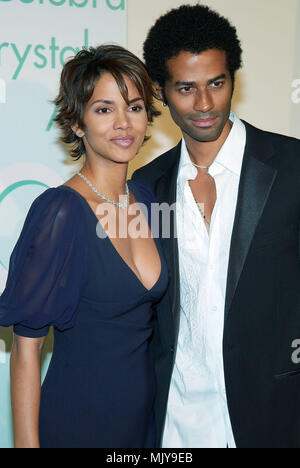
x=108 y=177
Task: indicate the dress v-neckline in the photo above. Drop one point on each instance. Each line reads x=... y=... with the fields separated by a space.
x=113 y=246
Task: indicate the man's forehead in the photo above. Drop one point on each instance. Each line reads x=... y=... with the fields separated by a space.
x=187 y=66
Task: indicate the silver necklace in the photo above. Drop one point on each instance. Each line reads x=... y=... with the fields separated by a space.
x=123 y=206
x=203 y=215
x=201 y=167
x=200 y=209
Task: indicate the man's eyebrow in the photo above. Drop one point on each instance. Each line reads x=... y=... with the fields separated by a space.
x=193 y=83
x=220 y=77
x=185 y=83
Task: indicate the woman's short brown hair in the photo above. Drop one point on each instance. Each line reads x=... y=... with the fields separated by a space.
x=79 y=77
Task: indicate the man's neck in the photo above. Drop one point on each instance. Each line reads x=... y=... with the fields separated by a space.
x=203 y=153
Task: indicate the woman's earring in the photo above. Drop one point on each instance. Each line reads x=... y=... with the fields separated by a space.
x=80 y=134
x=164 y=104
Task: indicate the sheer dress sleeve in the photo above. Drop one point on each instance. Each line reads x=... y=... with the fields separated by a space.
x=48 y=267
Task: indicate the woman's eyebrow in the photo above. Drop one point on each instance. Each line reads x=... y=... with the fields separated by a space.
x=106 y=101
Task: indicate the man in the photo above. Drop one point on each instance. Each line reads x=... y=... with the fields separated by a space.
x=228 y=327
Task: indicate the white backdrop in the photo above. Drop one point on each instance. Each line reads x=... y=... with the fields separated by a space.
x=36 y=37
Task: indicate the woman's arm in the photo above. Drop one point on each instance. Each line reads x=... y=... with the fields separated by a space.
x=25 y=366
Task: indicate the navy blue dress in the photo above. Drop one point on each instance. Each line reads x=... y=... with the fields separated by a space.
x=100 y=387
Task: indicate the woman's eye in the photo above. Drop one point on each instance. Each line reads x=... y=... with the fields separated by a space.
x=103 y=110
x=136 y=108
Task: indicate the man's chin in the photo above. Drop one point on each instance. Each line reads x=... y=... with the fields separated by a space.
x=205 y=135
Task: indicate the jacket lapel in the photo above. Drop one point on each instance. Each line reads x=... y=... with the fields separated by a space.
x=257 y=179
x=166 y=192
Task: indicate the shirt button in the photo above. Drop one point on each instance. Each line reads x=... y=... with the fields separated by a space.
x=215 y=308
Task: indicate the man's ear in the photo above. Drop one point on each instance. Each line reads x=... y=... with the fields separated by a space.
x=78 y=131
x=160 y=94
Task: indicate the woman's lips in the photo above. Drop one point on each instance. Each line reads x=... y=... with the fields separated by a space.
x=125 y=142
x=204 y=123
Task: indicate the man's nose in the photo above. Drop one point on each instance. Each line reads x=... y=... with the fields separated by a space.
x=203 y=101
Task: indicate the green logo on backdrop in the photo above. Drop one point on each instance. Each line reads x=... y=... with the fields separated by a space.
x=120 y=6
x=19 y=184
x=112 y=4
x=50 y=56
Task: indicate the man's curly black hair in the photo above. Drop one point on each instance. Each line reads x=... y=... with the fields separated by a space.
x=190 y=28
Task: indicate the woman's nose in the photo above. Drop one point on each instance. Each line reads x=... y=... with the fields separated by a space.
x=122 y=121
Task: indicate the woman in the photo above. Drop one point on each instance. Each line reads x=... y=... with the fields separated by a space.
x=96 y=290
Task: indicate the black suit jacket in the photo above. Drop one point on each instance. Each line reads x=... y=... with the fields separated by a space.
x=262 y=310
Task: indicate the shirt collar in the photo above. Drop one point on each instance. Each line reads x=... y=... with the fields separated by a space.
x=229 y=157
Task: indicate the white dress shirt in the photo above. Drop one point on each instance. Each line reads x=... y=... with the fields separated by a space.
x=197 y=413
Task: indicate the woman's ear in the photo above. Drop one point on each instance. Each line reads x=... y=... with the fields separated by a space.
x=78 y=132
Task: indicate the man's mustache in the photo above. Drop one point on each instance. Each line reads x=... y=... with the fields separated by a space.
x=203 y=116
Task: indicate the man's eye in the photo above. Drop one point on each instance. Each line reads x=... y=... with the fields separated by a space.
x=217 y=84
x=185 y=89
